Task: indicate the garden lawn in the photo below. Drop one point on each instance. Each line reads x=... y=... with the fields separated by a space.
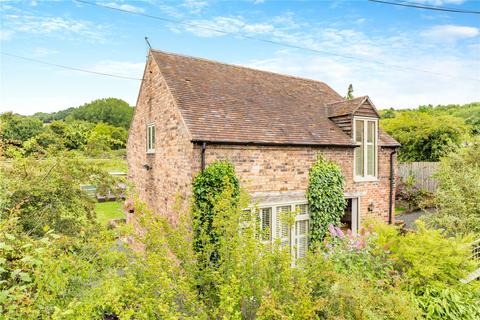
x=108 y=210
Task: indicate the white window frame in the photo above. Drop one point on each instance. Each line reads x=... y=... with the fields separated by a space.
x=365 y=176
x=149 y=131
x=292 y=231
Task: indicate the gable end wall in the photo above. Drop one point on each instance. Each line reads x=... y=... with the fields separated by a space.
x=171 y=173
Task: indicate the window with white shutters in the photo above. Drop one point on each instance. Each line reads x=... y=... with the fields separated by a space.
x=301 y=231
x=266 y=223
x=276 y=222
x=282 y=229
x=365 y=134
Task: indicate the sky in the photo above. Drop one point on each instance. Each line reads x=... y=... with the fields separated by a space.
x=400 y=57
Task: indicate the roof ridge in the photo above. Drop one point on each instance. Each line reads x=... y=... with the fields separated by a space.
x=244 y=67
x=347 y=100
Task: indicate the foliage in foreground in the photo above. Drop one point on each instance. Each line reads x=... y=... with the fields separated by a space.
x=381 y=274
x=45 y=194
x=458 y=195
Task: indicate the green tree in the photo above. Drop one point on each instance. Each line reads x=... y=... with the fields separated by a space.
x=457 y=196
x=45 y=194
x=17 y=129
x=349 y=95
x=425 y=137
x=112 y=111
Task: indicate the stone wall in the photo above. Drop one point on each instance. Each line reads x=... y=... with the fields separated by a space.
x=171 y=173
x=277 y=169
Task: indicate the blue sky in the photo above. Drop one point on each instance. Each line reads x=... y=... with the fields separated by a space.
x=403 y=57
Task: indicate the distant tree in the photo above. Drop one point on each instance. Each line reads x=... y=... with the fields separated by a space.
x=387 y=114
x=115 y=112
x=425 y=137
x=349 y=92
x=104 y=137
x=49 y=117
x=17 y=129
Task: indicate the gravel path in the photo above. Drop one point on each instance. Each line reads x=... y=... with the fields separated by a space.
x=410 y=218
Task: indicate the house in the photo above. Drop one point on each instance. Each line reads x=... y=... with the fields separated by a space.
x=191 y=112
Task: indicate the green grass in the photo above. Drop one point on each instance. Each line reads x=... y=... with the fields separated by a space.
x=400 y=210
x=108 y=210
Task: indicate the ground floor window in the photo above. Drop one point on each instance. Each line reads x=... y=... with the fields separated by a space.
x=289 y=223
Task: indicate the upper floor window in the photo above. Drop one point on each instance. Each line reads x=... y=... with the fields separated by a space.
x=150 y=138
x=365 y=135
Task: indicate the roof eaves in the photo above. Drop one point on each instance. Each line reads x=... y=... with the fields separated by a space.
x=268 y=143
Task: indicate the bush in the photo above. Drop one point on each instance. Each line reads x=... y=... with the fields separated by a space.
x=431 y=267
x=325 y=198
x=45 y=194
x=408 y=192
x=457 y=195
x=425 y=137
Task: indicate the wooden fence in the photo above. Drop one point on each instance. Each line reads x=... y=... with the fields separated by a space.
x=422 y=172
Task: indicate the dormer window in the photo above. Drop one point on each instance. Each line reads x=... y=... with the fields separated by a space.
x=365 y=134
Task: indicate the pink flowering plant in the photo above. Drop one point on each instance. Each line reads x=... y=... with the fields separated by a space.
x=359 y=254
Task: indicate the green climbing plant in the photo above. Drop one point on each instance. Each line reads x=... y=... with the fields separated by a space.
x=208 y=188
x=325 y=198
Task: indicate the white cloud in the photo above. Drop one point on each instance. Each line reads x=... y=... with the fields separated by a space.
x=59 y=26
x=258 y=28
x=258 y=1
x=388 y=87
x=206 y=28
x=195 y=6
x=124 y=6
x=123 y=68
x=450 y=33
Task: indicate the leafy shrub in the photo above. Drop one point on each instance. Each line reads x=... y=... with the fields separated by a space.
x=431 y=267
x=457 y=195
x=325 y=198
x=408 y=192
x=425 y=137
x=208 y=187
x=45 y=194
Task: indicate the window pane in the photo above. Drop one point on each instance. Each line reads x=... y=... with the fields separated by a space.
x=371 y=131
x=301 y=239
x=359 y=131
x=371 y=160
x=153 y=137
x=302 y=209
x=266 y=220
x=359 y=161
x=282 y=226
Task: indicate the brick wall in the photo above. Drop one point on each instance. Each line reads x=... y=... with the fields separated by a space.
x=261 y=169
x=171 y=172
x=276 y=169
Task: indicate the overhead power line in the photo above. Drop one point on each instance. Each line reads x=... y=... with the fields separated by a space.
x=424 y=6
x=68 y=67
x=273 y=42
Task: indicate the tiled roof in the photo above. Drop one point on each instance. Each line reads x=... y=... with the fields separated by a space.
x=344 y=107
x=232 y=104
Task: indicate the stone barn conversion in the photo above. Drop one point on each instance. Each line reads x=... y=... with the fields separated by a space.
x=191 y=112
